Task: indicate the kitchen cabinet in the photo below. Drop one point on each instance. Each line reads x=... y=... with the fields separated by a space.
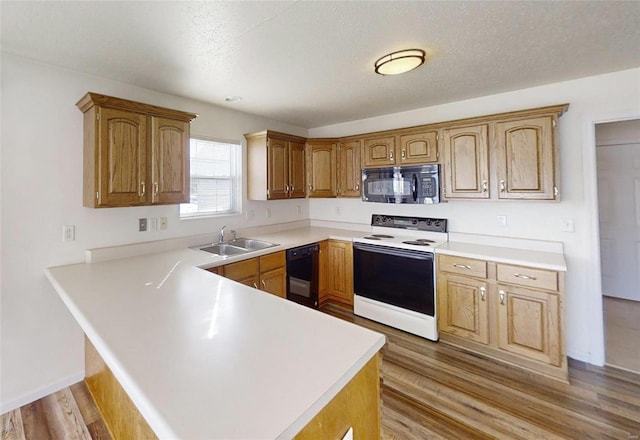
x=134 y=154
x=349 y=168
x=339 y=274
x=321 y=168
x=501 y=157
x=401 y=147
x=525 y=159
x=508 y=312
x=275 y=165
x=267 y=273
x=466 y=160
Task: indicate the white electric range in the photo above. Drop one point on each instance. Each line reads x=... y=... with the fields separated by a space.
x=394 y=272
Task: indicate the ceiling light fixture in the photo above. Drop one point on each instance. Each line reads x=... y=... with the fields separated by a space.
x=400 y=62
x=233 y=98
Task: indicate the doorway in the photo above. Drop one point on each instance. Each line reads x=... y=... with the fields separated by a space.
x=618 y=181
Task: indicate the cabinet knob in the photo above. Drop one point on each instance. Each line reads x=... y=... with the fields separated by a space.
x=143 y=189
x=484 y=186
x=264 y=284
x=357 y=187
x=502 y=187
x=155 y=188
x=391 y=155
x=403 y=154
x=255 y=285
x=501 y=297
x=483 y=292
x=310 y=187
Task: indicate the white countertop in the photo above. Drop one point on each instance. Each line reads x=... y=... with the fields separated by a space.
x=523 y=257
x=203 y=357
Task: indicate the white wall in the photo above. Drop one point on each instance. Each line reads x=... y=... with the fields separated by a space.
x=41 y=345
x=592 y=99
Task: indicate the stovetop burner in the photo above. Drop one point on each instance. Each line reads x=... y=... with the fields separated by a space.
x=381 y=236
x=419 y=242
x=372 y=237
x=426 y=240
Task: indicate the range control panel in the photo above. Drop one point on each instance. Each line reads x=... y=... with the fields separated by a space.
x=416 y=223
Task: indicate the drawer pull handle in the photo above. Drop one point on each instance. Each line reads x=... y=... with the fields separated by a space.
x=391 y=155
x=142 y=189
x=255 y=285
x=357 y=187
x=484 y=186
x=264 y=284
x=524 y=277
x=155 y=188
x=404 y=154
x=462 y=266
x=502 y=186
x=483 y=292
x=502 y=297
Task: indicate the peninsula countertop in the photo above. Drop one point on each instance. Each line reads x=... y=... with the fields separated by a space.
x=205 y=357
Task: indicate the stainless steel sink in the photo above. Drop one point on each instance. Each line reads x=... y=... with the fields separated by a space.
x=224 y=249
x=251 y=244
x=236 y=247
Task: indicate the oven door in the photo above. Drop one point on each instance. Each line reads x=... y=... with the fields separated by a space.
x=403 y=278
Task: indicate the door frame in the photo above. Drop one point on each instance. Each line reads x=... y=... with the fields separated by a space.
x=594 y=277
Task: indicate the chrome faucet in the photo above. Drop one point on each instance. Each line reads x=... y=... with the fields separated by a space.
x=221 y=236
x=233 y=235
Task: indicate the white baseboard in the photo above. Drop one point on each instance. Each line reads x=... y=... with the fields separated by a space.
x=32 y=396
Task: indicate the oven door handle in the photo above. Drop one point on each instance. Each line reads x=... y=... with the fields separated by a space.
x=386 y=250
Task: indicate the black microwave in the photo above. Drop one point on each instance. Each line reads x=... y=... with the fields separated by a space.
x=410 y=184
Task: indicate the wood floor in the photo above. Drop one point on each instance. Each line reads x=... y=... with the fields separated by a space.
x=429 y=391
x=622 y=333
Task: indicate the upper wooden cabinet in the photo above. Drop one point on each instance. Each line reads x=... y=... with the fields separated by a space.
x=134 y=154
x=276 y=166
x=401 y=147
x=506 y=156
x=321 y=168
x=525 y=158
x=466 y=160
x=349 y=169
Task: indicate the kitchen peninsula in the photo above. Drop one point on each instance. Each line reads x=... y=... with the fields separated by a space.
x=201 y=356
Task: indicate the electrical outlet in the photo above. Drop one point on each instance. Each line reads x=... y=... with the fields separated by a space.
x=153 y=224
x=68 y=233
x=502 y=220
x=142 y=224
x=163 y=223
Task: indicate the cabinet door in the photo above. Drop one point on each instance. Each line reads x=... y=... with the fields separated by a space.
x=463 y=307
x=321 y=170
x=419 y=148
x=274 y=282
x=379 y=151
x=245 y=272
x=525 y=163
x=529 y=323
x=349 y=170
x=297 y=188
x=122 y=149
x=466 y=162
x=277 y=169
x=340 y=279
x=170 y=161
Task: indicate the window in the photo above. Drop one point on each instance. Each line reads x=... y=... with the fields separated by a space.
x=215 y=178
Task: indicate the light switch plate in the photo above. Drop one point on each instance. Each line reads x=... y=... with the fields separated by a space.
x=502 y=220
x=163 y=223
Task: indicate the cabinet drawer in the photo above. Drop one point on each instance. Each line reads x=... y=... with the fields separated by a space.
x=462 y=266
x=272 y=261
x=529 y=277
x=241 y=269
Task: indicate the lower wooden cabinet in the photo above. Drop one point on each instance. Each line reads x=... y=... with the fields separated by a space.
x=464 y=307
x=267 y=273
x=337 y=280
x=508 y=312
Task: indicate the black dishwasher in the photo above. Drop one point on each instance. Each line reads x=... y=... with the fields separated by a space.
x=302 y=275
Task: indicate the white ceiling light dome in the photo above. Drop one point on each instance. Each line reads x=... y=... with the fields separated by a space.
x=400 y=62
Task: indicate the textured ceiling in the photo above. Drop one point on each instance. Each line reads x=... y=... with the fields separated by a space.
x=311 y=63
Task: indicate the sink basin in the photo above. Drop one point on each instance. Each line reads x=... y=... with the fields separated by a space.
x=251 y=244
x=224 y=249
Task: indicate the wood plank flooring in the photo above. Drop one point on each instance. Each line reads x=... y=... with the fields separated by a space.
x=429 y=391
x=622 y=333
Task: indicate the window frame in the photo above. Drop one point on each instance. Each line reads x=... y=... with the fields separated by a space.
x=236 y=181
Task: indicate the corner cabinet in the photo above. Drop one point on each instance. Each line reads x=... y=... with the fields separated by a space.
x=349 y=169
x=134 y=154
x=511 y=313
x=276 y=166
